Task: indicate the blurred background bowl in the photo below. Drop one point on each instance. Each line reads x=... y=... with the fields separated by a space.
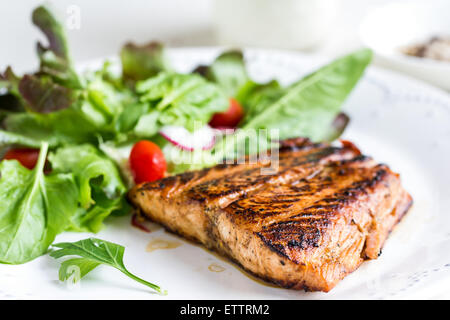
x=390 y=28
x=286 y=24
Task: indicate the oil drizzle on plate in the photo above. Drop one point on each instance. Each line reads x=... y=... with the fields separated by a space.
x=239 y=268
x=214 y=267
x=160 y=244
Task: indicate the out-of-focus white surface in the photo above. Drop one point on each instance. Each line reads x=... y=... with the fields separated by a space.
x=106 y=25
x=286 y=24
x=391 y=27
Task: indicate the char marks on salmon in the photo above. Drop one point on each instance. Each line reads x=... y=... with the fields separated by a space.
x=324 y=211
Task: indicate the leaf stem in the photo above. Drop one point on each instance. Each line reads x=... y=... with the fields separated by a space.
x=42 y=157
x=146 y=283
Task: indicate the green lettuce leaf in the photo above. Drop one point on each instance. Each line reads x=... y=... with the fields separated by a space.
x=101 y=188
x=71 y=125
x=10 y=138
x=180 y=99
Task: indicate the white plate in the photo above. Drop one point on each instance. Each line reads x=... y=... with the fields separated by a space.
x=387 y=29
x=397 y=120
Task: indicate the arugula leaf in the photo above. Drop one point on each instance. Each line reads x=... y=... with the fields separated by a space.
x=142 y=62
x=35 y=208
x=309 y=106
x=101 y=187
x=228 y=71
x=94 y=252
x=180 y=99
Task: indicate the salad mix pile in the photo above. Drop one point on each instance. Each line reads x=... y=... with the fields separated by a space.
x=72 y=143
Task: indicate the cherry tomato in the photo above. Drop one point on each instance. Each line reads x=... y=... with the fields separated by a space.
x=26 y=156
x=147 y=162
x=229 y=118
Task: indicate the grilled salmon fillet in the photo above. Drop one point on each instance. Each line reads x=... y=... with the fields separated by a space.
x=324 y=211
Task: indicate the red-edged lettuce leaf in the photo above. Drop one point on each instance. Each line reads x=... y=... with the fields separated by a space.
x=55 y=59
x=43 y=95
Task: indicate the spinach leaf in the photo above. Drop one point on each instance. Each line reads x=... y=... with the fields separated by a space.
x=35 y=208
x=180 y=99
x=94 y=252
x=308 y=107
x=101 y=188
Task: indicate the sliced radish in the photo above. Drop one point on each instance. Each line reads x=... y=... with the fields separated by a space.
x=201 y=139
x=224 y=130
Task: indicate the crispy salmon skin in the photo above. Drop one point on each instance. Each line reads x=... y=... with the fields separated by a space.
x=324 y=211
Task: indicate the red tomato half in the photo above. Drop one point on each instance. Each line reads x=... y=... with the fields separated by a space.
x=147 y=162
x=229 y=118
x=26 y=156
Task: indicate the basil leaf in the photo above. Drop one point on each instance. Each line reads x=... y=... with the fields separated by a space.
x=94 y=252
x=35 y=208
x=308 y=107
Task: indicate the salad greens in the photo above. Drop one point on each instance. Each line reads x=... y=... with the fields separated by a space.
x=93 y=252
x=83 y=188
x=143 y=62
x=179 y=99
x=35 y=208
x=86 y=123
x=228 y=71
x=99 y=183
x=310 y=105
